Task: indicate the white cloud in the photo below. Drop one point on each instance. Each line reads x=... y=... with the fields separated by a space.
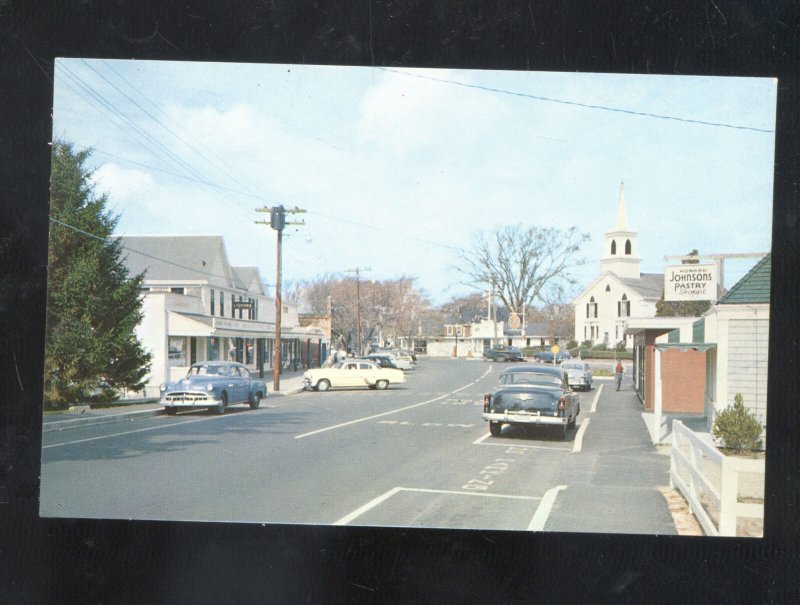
x=122 y=184
x=415 y=108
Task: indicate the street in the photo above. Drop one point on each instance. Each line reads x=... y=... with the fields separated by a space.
x=415 y=455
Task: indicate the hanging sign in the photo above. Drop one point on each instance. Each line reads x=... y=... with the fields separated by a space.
x=690 y=282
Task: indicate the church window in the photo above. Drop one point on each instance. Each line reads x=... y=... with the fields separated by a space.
x=613 y=246
x=627 y=246
x=591 y=308
x=624 y=307
x=608 y=288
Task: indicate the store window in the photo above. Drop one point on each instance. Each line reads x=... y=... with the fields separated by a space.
x=212 y=346
x=177 y=351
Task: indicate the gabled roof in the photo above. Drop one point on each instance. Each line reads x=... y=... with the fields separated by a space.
x=247 y=278
x=753 y=287
x=649 y=285
x=200 y=258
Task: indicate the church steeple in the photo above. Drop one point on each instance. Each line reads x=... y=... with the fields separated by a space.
x=622 y=216
x=620 y=244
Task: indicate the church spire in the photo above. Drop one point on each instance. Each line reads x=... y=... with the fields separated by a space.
x=622 y=216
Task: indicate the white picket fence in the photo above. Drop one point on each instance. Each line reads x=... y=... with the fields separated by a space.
x=711 y=482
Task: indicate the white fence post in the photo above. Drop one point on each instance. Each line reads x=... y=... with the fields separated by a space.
x=729 y=498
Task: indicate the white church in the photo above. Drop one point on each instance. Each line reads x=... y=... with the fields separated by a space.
x=620 y=291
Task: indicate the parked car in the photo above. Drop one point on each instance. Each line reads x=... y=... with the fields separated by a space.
x=352 y=373
x=213 y=385
x=400 y=361
x=384 y=361
x=532 y=395
x=578 y=374
x=503 y=353
x=547 y=356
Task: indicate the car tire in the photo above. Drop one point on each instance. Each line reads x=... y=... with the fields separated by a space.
x=323 y=385
x=562 y=432
x=170 y=411
x=256 y=402
x=219 y=409
x=382 y=385
x=495 y=428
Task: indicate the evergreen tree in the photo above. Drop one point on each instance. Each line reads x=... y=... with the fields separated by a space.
x=93 y=306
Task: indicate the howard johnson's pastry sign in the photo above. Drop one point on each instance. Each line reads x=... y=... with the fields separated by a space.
x=690 y=282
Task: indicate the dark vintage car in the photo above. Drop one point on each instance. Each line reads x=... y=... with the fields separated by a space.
x=547 y=356
x=532 y=395
x=214 y=385
x=502 y=353
x=384 y=361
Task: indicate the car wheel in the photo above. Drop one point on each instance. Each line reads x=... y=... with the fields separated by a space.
x=171 y=411
x=254 y=405
x=494 y=428
x=323 y=385
x=219 y=409
x=382 y=385
x=562 y=432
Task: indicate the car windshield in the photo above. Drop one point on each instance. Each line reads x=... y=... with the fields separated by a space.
x=530 y=378
x=572 y=366
x=208 y=370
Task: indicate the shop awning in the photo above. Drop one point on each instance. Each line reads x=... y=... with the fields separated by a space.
x=702 y=347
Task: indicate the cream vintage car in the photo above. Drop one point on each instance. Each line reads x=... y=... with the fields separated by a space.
x=352 y=373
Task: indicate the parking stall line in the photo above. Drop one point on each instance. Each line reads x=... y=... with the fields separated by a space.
x=576 y=447
x=395 y=490
x=596 y=398
x=366 y=418
x=545 y=506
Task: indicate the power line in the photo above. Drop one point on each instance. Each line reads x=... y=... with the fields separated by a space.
x=575 y=103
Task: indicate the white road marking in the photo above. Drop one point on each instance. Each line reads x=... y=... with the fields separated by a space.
x=576 y=447
x=151 y=428
x=596 y=398
x=543 y=511
x=480 y=441
x=408 y=407
x=395 y=490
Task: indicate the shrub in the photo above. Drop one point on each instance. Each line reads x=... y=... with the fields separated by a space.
x=620 y=346
x=572 y=344
x=586 y=344
x=600 y=347
x=738 y=427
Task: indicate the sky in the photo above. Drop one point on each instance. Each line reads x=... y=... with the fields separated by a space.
x=399 y=170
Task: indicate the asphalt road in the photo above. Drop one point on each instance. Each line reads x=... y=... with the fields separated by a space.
x=415 y=455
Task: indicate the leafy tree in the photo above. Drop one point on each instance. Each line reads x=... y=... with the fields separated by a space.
x=93 y=306
x=524 y=264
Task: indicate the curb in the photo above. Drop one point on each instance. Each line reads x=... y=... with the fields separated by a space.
x=58 y=425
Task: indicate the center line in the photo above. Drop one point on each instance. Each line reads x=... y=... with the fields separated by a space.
x=357 y=420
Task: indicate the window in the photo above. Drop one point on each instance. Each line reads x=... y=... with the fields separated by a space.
x=449 y=330
x=627 y=246
x=212 y=302
x=608 y=288
x=613 y=246
x=221 y=303
x=176 y=290
x=624 y=307
x=233 y=311
x=591 y=308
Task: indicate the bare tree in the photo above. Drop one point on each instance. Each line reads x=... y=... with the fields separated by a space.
x=524 y=264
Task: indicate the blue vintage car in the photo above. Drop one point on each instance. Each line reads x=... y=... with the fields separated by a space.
x=214 y=385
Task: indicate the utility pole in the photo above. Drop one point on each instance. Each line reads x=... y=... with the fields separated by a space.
x=358 y=271
x=277 y=220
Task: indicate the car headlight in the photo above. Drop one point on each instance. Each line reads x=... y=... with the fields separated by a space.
x=209 y=387
x=162 y=388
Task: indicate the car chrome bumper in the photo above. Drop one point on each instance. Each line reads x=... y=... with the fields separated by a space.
x=188 y=400
x=527 y=418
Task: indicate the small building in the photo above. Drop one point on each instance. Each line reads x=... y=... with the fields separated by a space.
x=196 y=306
x=738 y=328
x=621 y=291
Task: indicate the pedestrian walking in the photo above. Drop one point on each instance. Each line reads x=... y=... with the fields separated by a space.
x=618 y=371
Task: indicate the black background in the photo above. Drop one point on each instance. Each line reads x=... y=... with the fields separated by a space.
x=47 y=560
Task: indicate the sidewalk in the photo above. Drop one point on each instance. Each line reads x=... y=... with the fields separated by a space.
x=613 y=483
x=290 y=383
